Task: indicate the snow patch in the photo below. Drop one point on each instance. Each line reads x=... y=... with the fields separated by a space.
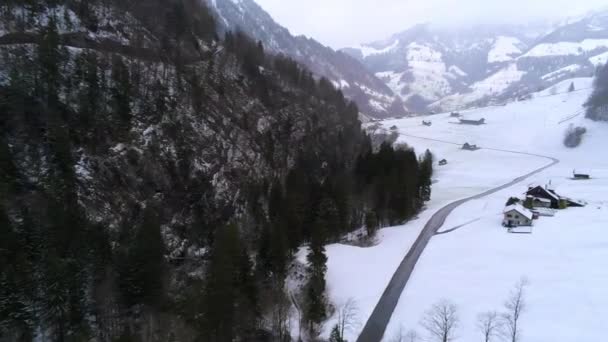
x=367 y=51
x=599 y=60
x=504 y=49
x=561 y=72
x=567 y=48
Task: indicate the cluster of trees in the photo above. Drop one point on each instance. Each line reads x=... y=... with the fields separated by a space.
x=574 y=136
x=597 y=105
x=394 y=182
x=79 y=272
x=442 y=321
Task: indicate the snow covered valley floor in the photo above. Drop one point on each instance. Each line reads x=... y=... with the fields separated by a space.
x=477 y=265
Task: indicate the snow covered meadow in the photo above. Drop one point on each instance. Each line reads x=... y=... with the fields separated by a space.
x=477 y=265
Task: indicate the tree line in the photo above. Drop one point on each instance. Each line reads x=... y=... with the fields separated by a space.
x=597 y=104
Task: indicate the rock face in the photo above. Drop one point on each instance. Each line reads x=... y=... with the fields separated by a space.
x=373 y=96
x=436 y=69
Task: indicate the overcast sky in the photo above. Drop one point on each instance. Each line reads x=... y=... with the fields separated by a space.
x=341 y=23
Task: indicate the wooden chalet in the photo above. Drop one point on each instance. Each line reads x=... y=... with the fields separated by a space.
x=516 y=216
x=538 y=202
x=540 y=192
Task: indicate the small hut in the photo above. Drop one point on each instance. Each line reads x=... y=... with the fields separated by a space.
x=473 y=122
x=580 y=175
x=469 y=147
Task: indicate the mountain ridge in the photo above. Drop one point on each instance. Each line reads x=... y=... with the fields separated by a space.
x=455 y=69
x=373 y=97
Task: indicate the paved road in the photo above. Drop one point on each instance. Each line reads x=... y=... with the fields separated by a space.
x=376 y=325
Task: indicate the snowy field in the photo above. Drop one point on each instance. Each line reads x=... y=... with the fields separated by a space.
x=476 y=265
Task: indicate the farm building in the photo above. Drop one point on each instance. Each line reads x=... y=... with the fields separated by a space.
x=569 y=202
x=544 y=193
x=455 y=114
x=548 y=193
x=516 y=215
x=472 y=122
x=581 y=175
x=538 y=202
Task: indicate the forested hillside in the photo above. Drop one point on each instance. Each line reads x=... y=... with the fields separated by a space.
x=156 y=181
x=597 y=106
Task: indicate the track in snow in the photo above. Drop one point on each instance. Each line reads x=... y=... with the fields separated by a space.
x=376 y=325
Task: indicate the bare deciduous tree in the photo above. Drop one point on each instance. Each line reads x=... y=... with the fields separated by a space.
x=400 y=336
x=348 y=316
x=441 y=321
x=411 y=336
x=489 y=325
x=514 y=307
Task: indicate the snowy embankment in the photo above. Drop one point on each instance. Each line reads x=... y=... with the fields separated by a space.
x=476 y=265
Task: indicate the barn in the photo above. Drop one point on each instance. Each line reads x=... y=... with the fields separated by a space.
x=537 y=202
x=545 y=193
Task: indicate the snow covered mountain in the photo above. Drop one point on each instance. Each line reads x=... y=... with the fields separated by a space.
x=373 y=96
x=439 y=69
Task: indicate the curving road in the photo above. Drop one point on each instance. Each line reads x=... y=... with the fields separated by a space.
x=376 y=325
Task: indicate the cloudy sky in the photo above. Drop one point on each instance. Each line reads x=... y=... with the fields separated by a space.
x=341 y=23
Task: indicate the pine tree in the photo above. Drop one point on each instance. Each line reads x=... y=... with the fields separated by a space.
x=230 y=295
x=49 y=59
x=14 y=315
x=90 y=100
x=571 y=88
x=121 y=93
x=426 y=174
x=141 y=272
x=316 y=307
x=8 y=171
x=371 y=223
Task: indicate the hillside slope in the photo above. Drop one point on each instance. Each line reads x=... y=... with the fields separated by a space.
x=372 y=96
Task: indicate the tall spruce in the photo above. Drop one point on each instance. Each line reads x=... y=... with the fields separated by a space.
x=142 y=269
x=229 y=292
x=316 y=300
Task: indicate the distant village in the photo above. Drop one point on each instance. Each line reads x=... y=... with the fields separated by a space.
x=539 y=201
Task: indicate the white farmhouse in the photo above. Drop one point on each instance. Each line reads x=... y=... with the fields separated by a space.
x=516 y=215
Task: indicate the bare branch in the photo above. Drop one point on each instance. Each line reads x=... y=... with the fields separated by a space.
x=514 y=307
x=348 y=317
x=441 y=321
x=489 y=325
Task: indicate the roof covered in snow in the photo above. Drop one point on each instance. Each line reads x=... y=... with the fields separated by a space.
x=521 y=210
x=549 y=190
